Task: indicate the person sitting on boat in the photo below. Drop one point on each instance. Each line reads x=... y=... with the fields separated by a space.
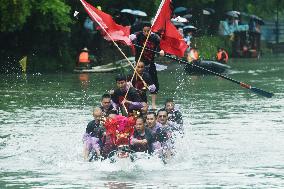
x=106 y=105
x=174 y=115
x=222 y=56
x=151 y=122
x=142 y=138
x=125 y=97
x=166 y=125
x=153 y=43
x=84 y=58
x=144 y=84
x=153 y=125
x=93 y=135
x=165 y=135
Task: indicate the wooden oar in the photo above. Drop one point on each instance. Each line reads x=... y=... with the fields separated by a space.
x=244 y=85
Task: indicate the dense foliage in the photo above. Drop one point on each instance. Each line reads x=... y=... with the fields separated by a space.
x=47 y=32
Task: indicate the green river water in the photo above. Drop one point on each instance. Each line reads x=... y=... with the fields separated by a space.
x=233 y=138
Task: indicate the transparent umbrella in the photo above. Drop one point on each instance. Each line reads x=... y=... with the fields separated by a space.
x=189 y=28
x=139 y=13
x=234 y=14
x=134 y=12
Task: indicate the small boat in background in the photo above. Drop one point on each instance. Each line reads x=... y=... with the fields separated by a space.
x=213 y=66
x=111 y=67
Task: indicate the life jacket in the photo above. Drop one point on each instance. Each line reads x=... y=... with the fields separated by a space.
x=193 y=55
x=84 y=58
x=222 y=56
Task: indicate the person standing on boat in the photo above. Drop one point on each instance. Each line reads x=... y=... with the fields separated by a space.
x=106 y=105
x=93 y=135
x=84 y=58
x=153 y=43
x=146 y=80
x=142 y=138
x=125 y=97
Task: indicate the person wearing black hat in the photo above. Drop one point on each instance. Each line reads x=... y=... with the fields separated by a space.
x=131 y=101
x=153 y=43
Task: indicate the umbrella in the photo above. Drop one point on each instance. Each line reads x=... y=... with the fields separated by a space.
x=127 y=11
x=179 y=19
x=244 y=14
x=179 y=10
x=134 y=12
x=178 y=24
x=206 y=12
x=234 y=14
x=257 y=19
x=189 y=28
x=187 y=16
x=139 y=13
x=210 y=10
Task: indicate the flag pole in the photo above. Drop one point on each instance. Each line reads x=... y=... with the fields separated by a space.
x=144 y=45
x=94 y=17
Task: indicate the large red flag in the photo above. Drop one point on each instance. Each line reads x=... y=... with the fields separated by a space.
x=107 y=24
x=171 y=42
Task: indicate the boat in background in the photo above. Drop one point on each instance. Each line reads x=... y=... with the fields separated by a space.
x=213 y=66
x=111 y=67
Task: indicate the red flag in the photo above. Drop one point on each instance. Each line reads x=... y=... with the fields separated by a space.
x=107 y=24
x=171 y=42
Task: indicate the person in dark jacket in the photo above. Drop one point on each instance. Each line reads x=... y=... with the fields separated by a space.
x=143 y=81
x=93 y=135
x=142 y=138
x=147 y=57
x=125 y=97
x=106 y=105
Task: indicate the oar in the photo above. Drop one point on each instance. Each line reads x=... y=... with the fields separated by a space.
x=244 y=85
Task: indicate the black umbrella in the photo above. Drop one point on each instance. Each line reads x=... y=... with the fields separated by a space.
x=257 y=19
x=180 y=10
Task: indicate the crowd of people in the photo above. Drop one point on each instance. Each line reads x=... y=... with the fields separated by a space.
x=124 y=120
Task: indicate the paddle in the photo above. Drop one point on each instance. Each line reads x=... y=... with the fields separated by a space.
x=244 y=85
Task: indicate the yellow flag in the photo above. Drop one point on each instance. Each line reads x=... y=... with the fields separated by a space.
x=23 y=63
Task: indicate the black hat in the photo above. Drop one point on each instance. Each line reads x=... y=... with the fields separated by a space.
x=120 y=77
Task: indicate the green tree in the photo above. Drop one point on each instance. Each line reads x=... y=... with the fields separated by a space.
x=47 y=15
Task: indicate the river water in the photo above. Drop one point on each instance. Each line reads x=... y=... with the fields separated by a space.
x=233 y=138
